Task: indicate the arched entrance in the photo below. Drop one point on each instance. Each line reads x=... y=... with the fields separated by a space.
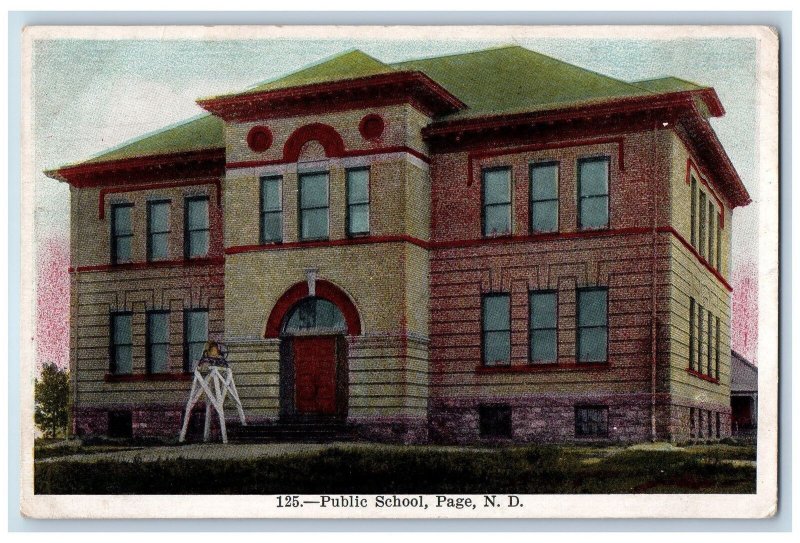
x=313 y=350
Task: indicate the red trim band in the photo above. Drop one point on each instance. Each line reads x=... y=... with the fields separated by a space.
x=184 y=263
x=141 y=377
x=702 y=376
x=366 y=240
x=535 y=368
x=322 y=289
x=342 y=154
x=101 y=204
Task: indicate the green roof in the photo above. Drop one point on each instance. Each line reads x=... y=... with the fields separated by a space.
x=493 y=81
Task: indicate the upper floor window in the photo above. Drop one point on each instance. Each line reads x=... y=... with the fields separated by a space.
x=271 y=229
x=496 y=326
x=314 y=206
x=719 y=248
x=158 y=230
x=121 y=362
x=701 y=231
x=543 y=326
x=496 y=201
x=712 y=234
x=358 y=201
x=196 y=231
x=593 y=181
x=544 y=197
x=195 y=335
x=592 y=325
x=693 y=212
x=692 y=339
x=121 y=232
x=157 y=339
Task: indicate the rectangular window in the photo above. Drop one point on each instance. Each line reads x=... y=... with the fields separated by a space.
x=712 y=234
x=701 y=233
x=700 y=336
x=496 y=327
x=358 y=202
x=271 y=229
x=495 y=420
x=709 y=353
x=716 y=352
x=314 y=206
x=121 y=233
x=591 y=421
x=196 y=231
x=693 y=212
x=158 y=230
x=195 y=335
x=544 y=197
x=120 y=424
x=157 y=339
x=496 y=201
x=719 y=247
x=692 y=424
x=593 y=180
x=692 y=309
x=121 y=344
x=592 y=325
x=719 y=425
x=543 y=307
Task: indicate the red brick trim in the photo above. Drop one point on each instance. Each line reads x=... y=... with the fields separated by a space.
x=342 y=154
x=259 y=139
x=101 y=203
x=323 y=289
x=535 y=368
x=182 y=263
x=146 y=377
x=364 y=240
x=699 y=258
x=702 y=376
x=371 y=126
x=323 y=133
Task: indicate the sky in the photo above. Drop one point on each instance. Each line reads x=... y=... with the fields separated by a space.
x=89 y=96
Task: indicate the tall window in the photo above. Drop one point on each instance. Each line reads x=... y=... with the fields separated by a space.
x=358 y=202
x=157 y=342
x=693 y=212
x=121 y=232
x=716 y=351
x=592 y=325
x=544 y=197
x=692 y=423
x=543 y=322
x=158 y=230
x=314 y=206
x=709 y=353
x=195 y=335
x=196 y=231
x=496 y=324
x=121 y=344
x=496 y=201
x=719 y=247
x=701 y=235
x=692 y=339
x=271 y=229
x=700 y=326
x=593 y=174
x=591 y=421
x=712 y=234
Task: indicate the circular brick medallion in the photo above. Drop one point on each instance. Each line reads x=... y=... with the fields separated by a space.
x=371 y=126
x=259 y=139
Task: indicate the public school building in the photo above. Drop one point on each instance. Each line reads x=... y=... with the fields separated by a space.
x=485 y=246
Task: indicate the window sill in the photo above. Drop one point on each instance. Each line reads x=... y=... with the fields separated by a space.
x=702 y=376
x=146 y=377
x=539 y=367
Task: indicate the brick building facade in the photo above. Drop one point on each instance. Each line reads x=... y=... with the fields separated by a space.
x=494 y=245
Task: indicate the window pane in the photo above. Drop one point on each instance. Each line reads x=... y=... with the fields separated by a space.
x=592 y=307
x=496 y=313
x=159 y=362
x=122 y=219
x=593 y=177
x=196 y=326
x=159 y=245
x=198 y=243
x=496 y=186
x=496 y=348
x=543 y=345
x=359 y=218
x=315 y=313
x=357 y=186
x=314 y=190
x=158 y=327
x=197 y=214
x=544 y=216
x=543 y=310
x=497 y=219
x=594 y=212
x=159 y=217
x=272 y=226
x=123 y=249
x=195 y=352
x=122 y=329
x=314 y=224
x=270 y=194
x=123 y=362
x=592 y=344
x=544 y=182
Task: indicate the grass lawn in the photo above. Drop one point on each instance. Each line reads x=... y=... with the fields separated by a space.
x=342 y=468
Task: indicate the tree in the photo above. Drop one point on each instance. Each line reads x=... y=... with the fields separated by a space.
x=51 y=393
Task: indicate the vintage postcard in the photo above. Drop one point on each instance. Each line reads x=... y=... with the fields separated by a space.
x=400 y=272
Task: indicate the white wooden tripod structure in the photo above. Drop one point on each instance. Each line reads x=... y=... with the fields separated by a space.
x=216 y=385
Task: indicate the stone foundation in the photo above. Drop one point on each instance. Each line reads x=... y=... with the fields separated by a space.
x=390 y=429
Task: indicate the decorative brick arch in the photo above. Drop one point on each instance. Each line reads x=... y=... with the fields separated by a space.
x=325 y=134
x=323 y=289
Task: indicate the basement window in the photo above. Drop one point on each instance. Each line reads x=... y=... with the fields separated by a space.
x=495 y=420
x=120 y=424
x=591 y=421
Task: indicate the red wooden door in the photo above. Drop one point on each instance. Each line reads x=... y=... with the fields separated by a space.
x=315 y=374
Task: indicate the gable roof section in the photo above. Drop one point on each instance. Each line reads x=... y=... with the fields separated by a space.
x=744 y=374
